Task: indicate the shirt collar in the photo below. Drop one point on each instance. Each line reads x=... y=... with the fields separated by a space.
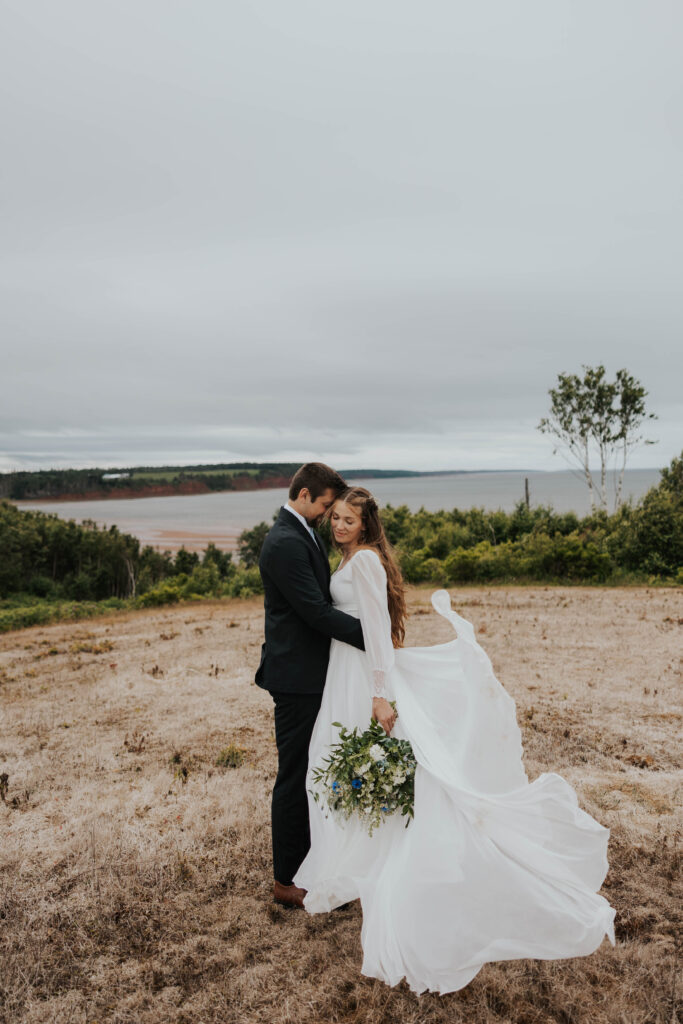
x=299 y=517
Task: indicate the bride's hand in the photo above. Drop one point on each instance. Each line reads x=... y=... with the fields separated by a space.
x=384 y=713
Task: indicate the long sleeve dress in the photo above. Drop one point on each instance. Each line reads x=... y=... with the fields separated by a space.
x=492 y=867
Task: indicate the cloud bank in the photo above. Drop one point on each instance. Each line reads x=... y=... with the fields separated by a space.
x=372 y=235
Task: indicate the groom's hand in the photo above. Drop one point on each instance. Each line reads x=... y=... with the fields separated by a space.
x=384 y=713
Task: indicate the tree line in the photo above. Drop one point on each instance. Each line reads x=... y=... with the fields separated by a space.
x=47 y=561
x=24 y=485
x=55 y=483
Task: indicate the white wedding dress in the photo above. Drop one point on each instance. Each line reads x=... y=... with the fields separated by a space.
x=492 y=867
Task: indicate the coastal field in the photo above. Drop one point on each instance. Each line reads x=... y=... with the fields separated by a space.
x=136 y=762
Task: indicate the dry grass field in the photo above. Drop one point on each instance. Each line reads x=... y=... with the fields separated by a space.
x=135 y=867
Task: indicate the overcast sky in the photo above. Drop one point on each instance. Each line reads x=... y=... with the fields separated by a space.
x=371 y=233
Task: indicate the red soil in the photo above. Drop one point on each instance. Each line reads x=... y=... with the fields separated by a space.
x=240 y=483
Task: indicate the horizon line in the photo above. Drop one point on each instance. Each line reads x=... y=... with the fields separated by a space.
x=341 y=469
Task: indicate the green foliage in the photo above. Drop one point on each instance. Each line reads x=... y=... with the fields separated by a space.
x=53 y=569
x=153 y=567
x=24 y=610
x=164 y=593
x=369 y=774
x=245 y=583
x=203 y=582
x=250 y=543
x=49 y=556
x=594 y=412
x=28 y=615
x=537 y=556
x=649 y=537
x=185 y=561
x=672 y=478
x=52 y=483
x=644 y=542
x=221 y=559
x=231 y=757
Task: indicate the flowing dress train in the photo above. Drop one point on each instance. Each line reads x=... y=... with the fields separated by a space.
x=492 y=867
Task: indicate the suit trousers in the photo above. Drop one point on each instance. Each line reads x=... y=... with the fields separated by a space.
x=295 y=715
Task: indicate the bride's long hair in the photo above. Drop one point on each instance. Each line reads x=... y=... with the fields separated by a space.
x=373 y=536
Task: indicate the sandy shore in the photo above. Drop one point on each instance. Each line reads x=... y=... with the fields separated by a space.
x=135 y=871
x=173 y=538
x=192 y=540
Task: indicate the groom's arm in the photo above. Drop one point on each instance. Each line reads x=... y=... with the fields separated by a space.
x=291 y=572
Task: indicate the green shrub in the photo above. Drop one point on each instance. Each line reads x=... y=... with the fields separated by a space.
x=24 y=610
x=185 y=561
x=231 y=757
x=28 y=615
x=244 y=583
x=167 y=592
x=203 y=581
x=649 y=537
x=250 y=543
x=51 y=568
x=43 y=586
x=461 y=565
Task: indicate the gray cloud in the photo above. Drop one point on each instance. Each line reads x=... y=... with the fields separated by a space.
x=373 y=235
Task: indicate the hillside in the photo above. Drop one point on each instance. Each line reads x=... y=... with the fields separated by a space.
x=142 y=482
x=135 y=870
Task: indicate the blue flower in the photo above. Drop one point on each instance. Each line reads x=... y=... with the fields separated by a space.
x=335 y=787
x=357 y=783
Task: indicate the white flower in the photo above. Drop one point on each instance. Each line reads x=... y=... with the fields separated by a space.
x=376 y=752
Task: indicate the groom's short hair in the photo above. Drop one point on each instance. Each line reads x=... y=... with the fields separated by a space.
x=317 y=478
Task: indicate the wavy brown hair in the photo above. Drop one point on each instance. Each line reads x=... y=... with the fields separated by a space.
x=373 y=536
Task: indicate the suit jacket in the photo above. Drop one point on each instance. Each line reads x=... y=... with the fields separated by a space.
x=300 y=619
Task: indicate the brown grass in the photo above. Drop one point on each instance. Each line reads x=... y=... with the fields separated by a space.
x=135 y=864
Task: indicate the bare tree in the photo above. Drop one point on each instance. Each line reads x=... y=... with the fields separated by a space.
x=130 y=569
x=593 y=413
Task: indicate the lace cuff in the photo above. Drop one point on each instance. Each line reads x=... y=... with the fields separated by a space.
x=378 y=687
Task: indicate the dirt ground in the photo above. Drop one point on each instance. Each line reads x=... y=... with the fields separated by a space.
x=135 y=870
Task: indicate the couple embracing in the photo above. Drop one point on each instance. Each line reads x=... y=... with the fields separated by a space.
x=492 y=866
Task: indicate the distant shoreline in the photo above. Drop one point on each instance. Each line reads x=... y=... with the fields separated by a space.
x=193 y=487
x=170 y=521
x=243 y=483
x=188 y=488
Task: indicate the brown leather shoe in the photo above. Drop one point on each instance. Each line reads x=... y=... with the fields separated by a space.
x=288 y=895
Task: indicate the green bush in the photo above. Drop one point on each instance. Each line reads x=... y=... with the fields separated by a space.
x=186 y=561
x=53 y=569
x=649 y=537
x=461 y=565
x=28 y=615
x=25 y=610
x=245 y=583
x=231 y=756
x=164 y=593
x=250 y=543
x=43 y=586
x=203 y=581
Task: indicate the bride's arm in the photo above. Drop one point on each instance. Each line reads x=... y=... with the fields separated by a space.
x=369 y=582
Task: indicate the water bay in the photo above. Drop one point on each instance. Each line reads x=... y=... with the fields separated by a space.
x=194 y=520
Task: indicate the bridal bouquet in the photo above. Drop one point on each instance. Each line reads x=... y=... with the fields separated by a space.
x=369 y=774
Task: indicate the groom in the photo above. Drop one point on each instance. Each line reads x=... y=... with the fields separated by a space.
x=300 y=621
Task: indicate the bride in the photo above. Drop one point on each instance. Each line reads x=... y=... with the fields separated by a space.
x=492 y=867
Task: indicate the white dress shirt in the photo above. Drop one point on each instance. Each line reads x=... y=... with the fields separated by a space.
x=303 y=521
